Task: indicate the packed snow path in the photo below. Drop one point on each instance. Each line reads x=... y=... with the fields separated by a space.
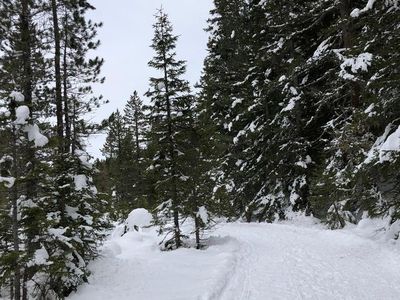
x=288 y=262
x=248 y=261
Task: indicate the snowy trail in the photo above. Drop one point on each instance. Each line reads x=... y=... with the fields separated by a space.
x=287 y=262
x=248 y=261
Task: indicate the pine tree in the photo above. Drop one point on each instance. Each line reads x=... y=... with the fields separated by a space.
x=59 y=222
x=120 y=153
x=375 y=176
x=20 y=72
x=170 y=116
x=76 y=211
x=223 y=94
x=136 y=121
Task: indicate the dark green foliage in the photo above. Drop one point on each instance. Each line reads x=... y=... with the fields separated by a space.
x=57 y=220
x=290 y=87
x=125 y=161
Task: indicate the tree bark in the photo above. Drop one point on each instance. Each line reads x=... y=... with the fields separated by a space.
x=65 y=87
x=197 y=229
x=57 y=66
x=27 y=89
x=347 y=27
x=348 y=42
x=14 y=212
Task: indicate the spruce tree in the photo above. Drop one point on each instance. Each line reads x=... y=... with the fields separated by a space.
x=77 y=213
x=136 y=121
x=170 y=116
x=20 y=77
x=120 y=153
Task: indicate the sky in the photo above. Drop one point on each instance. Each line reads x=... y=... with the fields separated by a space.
x=125 y=45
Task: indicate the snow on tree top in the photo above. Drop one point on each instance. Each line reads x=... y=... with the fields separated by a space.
x=17 y=96
x=22 y=115
x=34 y=135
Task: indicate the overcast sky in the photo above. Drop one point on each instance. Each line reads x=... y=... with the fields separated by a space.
x=125 y=39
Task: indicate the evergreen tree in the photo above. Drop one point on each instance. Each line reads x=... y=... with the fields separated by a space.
x=225 y=68
x=170 y=117
x=137 y=124
x=57 y=225
x=20 y=71
x=76 y=212
x=119 y=150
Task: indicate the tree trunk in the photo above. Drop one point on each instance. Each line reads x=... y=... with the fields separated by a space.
x=27 y=84
x=60 y=160
x=197 y=230
x=348 y=42
x=14 y=212
x=65 y=87
x=347 y=27
x=73 y=123
x=57 y=65
x=175 y=203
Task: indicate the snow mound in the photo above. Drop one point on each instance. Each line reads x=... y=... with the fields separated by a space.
x=139 y=217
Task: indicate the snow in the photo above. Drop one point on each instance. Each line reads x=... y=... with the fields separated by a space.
x=357 y=12
x=58 y=233
x=293 y=260
x=236 y=102
x=139 y=217
x=34 y=135
x=161 y=86
x=72 y=212
x=321 y=50
x=361 y=62
x=304 y=163
x=279 y=45
x=84 y=158
x=282 y=78
x=40 y=257
x=8 y=181
x=370 y=110
x=392 y=144
x=22 y=114
x=80 y=182
x=203 y=214
x=17 y=96
x=4 y=112
x=385 y=146
x=291 y=105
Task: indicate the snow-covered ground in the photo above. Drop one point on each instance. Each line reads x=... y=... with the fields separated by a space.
x=248 y=261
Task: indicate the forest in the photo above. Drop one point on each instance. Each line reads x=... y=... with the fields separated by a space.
x=296 y=113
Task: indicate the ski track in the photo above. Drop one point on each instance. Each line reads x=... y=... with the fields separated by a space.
x=249 y=262
x=286 y=262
